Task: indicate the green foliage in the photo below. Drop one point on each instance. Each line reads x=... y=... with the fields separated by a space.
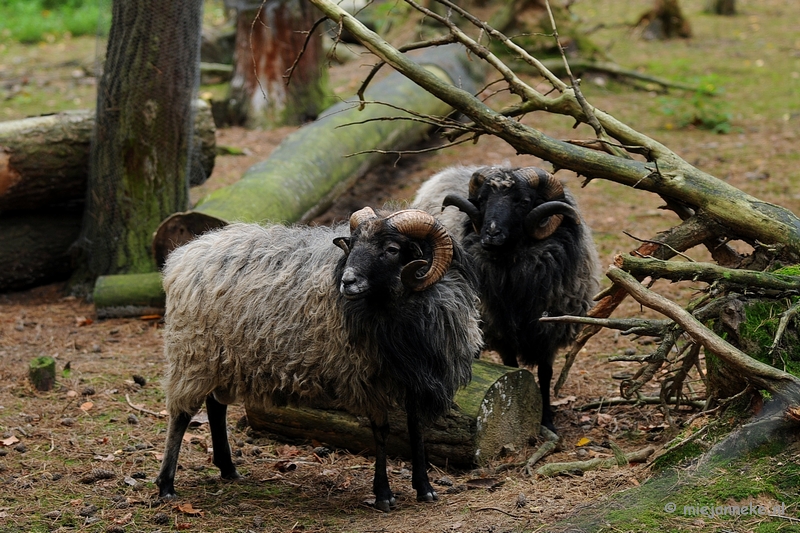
x=703 y=110
x=31 y=21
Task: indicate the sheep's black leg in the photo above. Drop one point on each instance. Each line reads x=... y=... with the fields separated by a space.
x=219 y=438
x=384 y=499
x=166 y=478
x=419 y=463
x=545 y=374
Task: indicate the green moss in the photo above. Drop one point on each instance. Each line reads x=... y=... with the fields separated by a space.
x=758 y=331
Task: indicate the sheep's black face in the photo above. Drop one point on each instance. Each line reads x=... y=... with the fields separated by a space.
x=374 y=263
x=504 y=203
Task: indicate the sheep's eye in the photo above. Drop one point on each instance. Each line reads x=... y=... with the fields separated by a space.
x=392 y=249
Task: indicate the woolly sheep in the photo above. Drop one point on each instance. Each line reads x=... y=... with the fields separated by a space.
x=279 y=315
x=533 y=255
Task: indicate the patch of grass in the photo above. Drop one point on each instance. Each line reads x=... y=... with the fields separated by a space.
x=32 y=21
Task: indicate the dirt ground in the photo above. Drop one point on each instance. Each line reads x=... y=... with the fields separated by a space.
x=84 y=456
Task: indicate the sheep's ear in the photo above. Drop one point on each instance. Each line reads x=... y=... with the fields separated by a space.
x=343 y=243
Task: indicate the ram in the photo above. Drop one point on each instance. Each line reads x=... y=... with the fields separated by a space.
x=279 y=315
x=533 y=255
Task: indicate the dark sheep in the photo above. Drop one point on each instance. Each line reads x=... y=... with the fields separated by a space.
x=533 y=255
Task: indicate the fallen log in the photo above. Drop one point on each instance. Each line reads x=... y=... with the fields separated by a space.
x=500 y=406
x=34 y=247
x=45 y=160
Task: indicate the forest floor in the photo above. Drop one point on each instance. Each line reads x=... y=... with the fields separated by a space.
x=83 y=457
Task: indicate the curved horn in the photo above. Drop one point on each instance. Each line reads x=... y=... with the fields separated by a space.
x=421 y=225
x=360 y=216
x=467 y=207
x=547 y=184
x=477 y=179
x=555 y=212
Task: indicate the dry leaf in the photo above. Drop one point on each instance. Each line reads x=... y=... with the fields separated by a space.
x=287 y=451
x=183 y=526
x=564 y=401
x=72 y=394
x=81 y=321
x=583 y=441
x=10 y=440
x=149 y=317
x=187 y=508
x=86 y=406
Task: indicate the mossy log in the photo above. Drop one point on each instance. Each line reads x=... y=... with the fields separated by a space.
x=500 y=406
x=45 y=160
x=129 y=295
x=42 y=372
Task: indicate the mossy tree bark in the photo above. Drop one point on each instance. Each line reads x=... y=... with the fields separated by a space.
x=279 y=73
x=143 y=135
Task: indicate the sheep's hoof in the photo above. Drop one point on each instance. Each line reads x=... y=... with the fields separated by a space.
x=166 y=494
x=386 y=505
x=230 y=476
x=430 y=496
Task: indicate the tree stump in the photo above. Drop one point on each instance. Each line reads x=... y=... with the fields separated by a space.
x=500 y=406
x=42 y=372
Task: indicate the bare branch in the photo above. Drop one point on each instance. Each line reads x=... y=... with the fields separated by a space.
x=760 y=374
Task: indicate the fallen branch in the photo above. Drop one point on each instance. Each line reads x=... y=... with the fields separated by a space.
x=546 y=448
x=142 y=409
x=706 y=272
x=642 y=400
x=628 y=326
x=554 y=469
x=760 y=374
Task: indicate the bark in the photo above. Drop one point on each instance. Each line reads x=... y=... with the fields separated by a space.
x=269 y=40
x=45 y=160
x=500 y=406
x=140 y=159
x=34 y=247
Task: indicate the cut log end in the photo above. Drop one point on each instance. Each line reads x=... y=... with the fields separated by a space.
x=179 y=229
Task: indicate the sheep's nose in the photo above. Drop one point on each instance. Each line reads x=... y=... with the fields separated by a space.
x=492 y=229
x=352 y=285
x=493 y=236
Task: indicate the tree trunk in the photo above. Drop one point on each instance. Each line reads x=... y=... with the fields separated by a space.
x=141 y=155
x=721 y=7
x=500 y=406
x=269 y=40
x=34 y=247
x=45 y=160
x=665 y=21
